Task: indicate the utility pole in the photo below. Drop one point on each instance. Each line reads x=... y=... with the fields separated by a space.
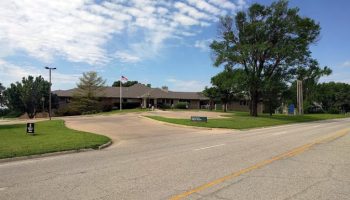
x=300 y=97
x=50 y=68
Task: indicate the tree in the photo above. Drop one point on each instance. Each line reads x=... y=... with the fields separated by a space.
x=26 y=96
x=274 y=93
x=126 y=84
x=2 y=99
x=12 y=97
x=334 y=96
x=264 y=41
x=90 y=86
x=310 y=75
x=212 y=94
x=228 y=84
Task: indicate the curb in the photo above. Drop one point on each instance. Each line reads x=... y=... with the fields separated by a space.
x=185 y=126
x=176 y=125
x=103 y=146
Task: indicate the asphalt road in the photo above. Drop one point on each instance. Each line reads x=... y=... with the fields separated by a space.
x=154 y=161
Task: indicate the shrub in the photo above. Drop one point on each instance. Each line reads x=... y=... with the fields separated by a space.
x=106 y=107
x=4 y=112
x=67 y=111
x=313 y=110
x=163 y=106
x=130 y=105
x=13 y=114
x=90 y=112
x=181 y=105
x=334 y=110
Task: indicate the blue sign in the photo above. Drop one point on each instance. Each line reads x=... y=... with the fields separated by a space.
x=291 y=109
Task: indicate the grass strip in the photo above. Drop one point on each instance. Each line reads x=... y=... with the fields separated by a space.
x=50 y=136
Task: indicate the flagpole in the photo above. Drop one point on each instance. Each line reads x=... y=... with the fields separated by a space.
x=120 y=100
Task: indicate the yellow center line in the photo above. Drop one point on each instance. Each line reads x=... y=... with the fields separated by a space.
x=288 y=154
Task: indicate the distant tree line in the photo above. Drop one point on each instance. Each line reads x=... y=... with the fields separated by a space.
x=126 y=84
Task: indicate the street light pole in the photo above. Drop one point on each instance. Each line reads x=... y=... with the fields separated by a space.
x=50 y=68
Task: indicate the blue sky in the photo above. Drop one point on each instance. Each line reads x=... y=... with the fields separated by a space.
x=156 y=42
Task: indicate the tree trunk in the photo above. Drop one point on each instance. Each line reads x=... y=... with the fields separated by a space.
x=270 y=107
x=254 y=103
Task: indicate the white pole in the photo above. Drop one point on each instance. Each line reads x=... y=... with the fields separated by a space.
x=120 y=103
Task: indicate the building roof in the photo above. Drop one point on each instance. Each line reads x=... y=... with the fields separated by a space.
x=137 y=91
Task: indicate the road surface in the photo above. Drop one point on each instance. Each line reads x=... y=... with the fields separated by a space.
x=150 y=160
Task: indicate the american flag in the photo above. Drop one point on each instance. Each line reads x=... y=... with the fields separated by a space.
x=124 y=78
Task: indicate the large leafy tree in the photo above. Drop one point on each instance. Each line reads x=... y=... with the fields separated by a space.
x=26 y=96
x=264 y=40
x=89 y=89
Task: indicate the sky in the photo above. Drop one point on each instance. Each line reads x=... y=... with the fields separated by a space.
x=161 y=42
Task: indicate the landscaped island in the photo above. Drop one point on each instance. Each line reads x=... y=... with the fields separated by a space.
x=50 y=136
x=240 y=120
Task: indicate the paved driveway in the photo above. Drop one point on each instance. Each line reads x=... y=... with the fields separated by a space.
x=133 y=126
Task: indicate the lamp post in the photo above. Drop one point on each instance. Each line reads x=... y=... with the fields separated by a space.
x=50 y=68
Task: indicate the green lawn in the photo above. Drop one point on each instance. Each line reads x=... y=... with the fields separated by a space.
x=239 y=120
x=50 y=136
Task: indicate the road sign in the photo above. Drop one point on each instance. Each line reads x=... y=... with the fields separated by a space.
x=291 y=109
x=199 y=119
x=30 y=128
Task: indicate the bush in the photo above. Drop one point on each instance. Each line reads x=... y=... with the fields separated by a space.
x=4 y=112
x=163 y=106
x=334 y=111
x=130 y=105
x=90 y=112
x=13 y=114
x=67 y=111
x=181 y=105
x=313 y=110
x=106 y=107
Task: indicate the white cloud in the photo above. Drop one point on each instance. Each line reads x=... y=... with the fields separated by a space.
x=185 y=85
x=203 y=44
x=224 y=4
x=127 y=57
x=191 y=11
x=346 y=64
x=11 y=73
x=185 y=20
x=79 y=30
x=203 y=5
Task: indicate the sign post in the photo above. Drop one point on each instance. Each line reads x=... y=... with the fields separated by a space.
x=30 y=128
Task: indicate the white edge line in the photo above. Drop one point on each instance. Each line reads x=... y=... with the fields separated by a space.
x=209 y=147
